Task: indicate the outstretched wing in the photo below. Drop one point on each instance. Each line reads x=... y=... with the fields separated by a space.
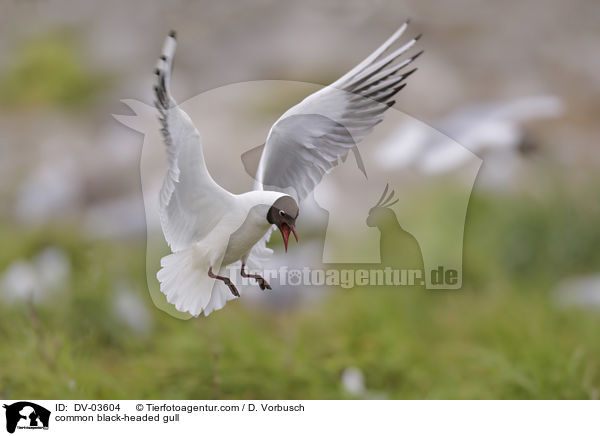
x=311 y=137
x=191 y=202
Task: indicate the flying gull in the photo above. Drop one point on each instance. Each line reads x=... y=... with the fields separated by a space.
x=208 y=227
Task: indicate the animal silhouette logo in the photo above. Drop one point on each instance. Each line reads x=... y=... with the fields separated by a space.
x=398 y=247
x=381 y=208
x=26 y=415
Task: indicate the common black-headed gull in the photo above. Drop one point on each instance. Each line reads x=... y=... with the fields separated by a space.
x=208 y=227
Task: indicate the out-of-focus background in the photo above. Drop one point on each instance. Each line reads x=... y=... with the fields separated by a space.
x=76 y=316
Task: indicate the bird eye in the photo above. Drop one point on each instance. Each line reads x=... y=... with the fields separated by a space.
x=281 y=213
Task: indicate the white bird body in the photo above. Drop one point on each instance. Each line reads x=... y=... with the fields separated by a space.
x=184 y=275
x=208 y=227
x=254 y=206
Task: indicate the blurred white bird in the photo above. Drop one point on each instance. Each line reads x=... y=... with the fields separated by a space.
x=53 y=268
x=20 y=282
x=35 y=281
x=353 y=382
x=52 y=189
x=583 y=292
x=479 y=128
x=131 y=309
x=115 y=218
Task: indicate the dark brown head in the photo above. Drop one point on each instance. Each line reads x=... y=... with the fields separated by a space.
x=283 y=214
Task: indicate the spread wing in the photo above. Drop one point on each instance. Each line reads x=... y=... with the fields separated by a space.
x=191 y=202
x=313 y=136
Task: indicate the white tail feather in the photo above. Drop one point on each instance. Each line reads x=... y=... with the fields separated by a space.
x=185 y=282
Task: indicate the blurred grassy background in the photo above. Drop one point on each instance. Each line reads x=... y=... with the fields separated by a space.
x=501 y=336
x=47 y=71
x=64 y=68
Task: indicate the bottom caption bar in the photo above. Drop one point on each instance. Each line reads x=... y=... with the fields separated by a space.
x=267 y=417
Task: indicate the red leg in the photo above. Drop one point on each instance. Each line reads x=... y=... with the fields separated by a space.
x=225 y=280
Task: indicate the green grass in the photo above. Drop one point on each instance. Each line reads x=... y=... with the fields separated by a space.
x=501 y=336
x=49 y=70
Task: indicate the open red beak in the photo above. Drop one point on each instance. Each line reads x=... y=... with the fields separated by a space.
x=285 y=234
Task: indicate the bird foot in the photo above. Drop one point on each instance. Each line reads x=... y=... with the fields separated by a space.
x=225 y=280
x=262 y=283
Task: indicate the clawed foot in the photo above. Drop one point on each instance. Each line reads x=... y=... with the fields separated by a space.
x=262 y=283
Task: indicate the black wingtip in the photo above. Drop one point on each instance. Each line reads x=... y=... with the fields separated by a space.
x=407 y=22
x=163 y=58
x=173 y=34
x=417 y=55
x=408 y=73
x=418 y=36
x=157 y=71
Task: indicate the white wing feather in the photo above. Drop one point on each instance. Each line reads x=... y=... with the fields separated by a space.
x=311 y=137
x=191 y=202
